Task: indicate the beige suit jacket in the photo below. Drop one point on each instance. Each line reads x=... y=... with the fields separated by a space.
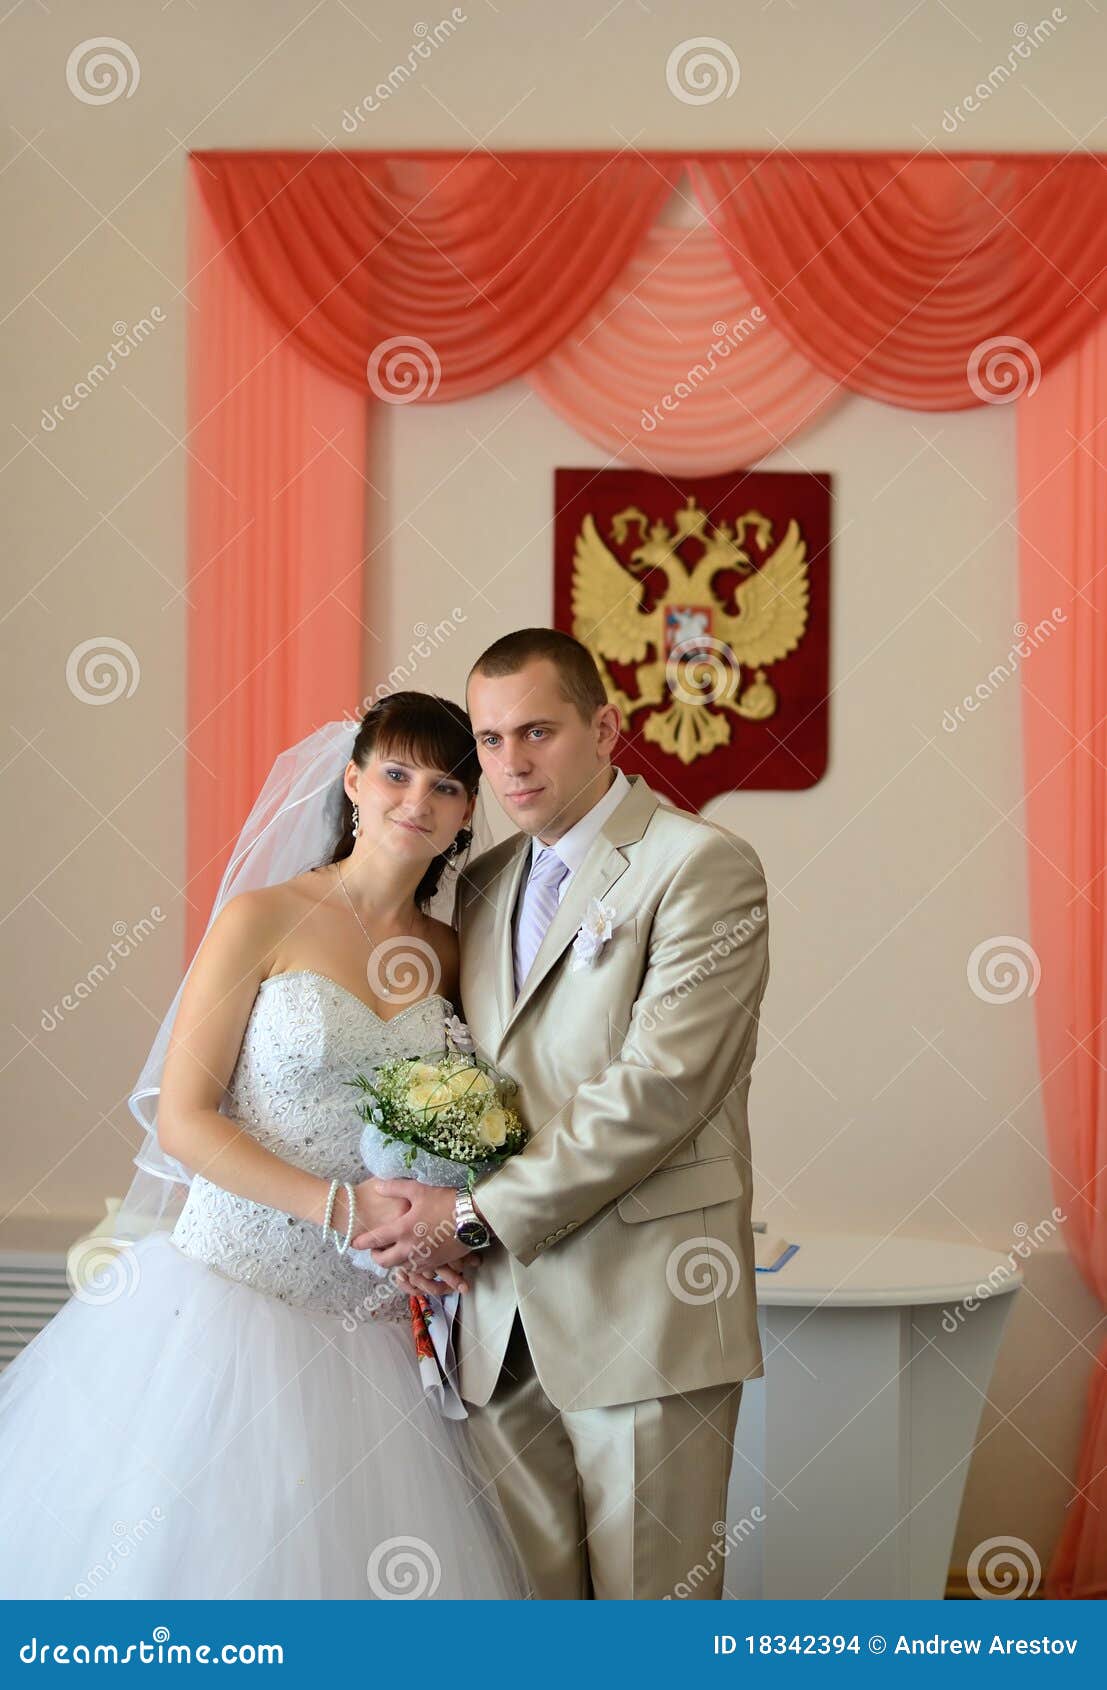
x=623 y=1227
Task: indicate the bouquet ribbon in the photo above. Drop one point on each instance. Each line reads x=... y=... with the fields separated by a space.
x=432 y=1320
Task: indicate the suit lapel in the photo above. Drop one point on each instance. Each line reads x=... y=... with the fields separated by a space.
x=596 y=876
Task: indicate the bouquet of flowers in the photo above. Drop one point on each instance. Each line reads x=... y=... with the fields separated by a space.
x=443 y=1118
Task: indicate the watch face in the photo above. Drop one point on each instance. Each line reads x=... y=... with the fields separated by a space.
x=473 y=1235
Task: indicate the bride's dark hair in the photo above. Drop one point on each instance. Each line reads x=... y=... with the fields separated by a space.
x=429 y=732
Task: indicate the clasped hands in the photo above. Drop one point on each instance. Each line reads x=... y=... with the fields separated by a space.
x=411 y=1229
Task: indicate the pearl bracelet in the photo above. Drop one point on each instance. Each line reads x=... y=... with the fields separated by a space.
x=329 y=1210
x=344 y=1244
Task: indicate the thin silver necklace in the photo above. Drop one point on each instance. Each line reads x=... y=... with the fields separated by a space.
x=386 y=991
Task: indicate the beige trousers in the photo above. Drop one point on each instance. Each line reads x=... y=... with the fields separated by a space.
x=609 y=1503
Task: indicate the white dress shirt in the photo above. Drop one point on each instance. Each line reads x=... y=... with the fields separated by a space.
x=574 y=846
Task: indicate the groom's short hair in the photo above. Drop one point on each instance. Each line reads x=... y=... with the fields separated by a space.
x=577 y=674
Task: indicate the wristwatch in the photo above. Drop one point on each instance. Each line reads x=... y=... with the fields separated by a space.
x=469 y=1229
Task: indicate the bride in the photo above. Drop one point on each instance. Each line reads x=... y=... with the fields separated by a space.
x=242 y=1415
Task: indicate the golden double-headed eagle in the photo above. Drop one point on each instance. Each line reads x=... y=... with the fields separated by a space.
x=691 y=646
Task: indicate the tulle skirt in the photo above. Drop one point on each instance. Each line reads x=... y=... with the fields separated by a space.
x=195 y=1438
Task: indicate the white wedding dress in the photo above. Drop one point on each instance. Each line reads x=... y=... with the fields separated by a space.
x=238 y=1412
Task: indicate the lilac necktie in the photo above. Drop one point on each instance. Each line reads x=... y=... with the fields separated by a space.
x=539 y=906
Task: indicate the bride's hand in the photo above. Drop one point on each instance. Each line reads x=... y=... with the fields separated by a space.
x=370 y=1208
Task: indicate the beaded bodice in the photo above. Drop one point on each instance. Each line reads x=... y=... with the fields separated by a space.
x=305 y=1038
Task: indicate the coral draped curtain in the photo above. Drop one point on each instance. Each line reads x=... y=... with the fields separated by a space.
x=887 y=274
x=1062 y=478
x=491 y=263
x=275 y=545
x=325 y=285
x=676 y=367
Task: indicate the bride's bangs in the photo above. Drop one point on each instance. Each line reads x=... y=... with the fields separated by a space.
x=428 y=736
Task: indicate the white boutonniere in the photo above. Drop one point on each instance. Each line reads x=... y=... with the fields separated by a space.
x=458 y=1036
x=592 y=934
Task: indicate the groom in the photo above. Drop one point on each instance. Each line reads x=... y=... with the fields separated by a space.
x=604 y=1343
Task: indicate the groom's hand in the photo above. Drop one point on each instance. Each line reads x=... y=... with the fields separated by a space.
x=422 y=1235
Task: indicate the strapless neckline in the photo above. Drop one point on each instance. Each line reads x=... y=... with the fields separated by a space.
x=384 y=1020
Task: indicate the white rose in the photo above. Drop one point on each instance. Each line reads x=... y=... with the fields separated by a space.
x=428 y=1095
x=492 y=1127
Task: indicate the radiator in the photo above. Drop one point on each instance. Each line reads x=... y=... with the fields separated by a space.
x=33 y=1287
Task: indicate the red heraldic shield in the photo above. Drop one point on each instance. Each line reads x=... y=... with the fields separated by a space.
x=706 y=604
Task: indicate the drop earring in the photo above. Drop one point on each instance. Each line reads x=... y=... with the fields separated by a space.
x=356 y=821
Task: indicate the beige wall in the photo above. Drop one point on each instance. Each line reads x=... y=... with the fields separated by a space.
x=887 y=1095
